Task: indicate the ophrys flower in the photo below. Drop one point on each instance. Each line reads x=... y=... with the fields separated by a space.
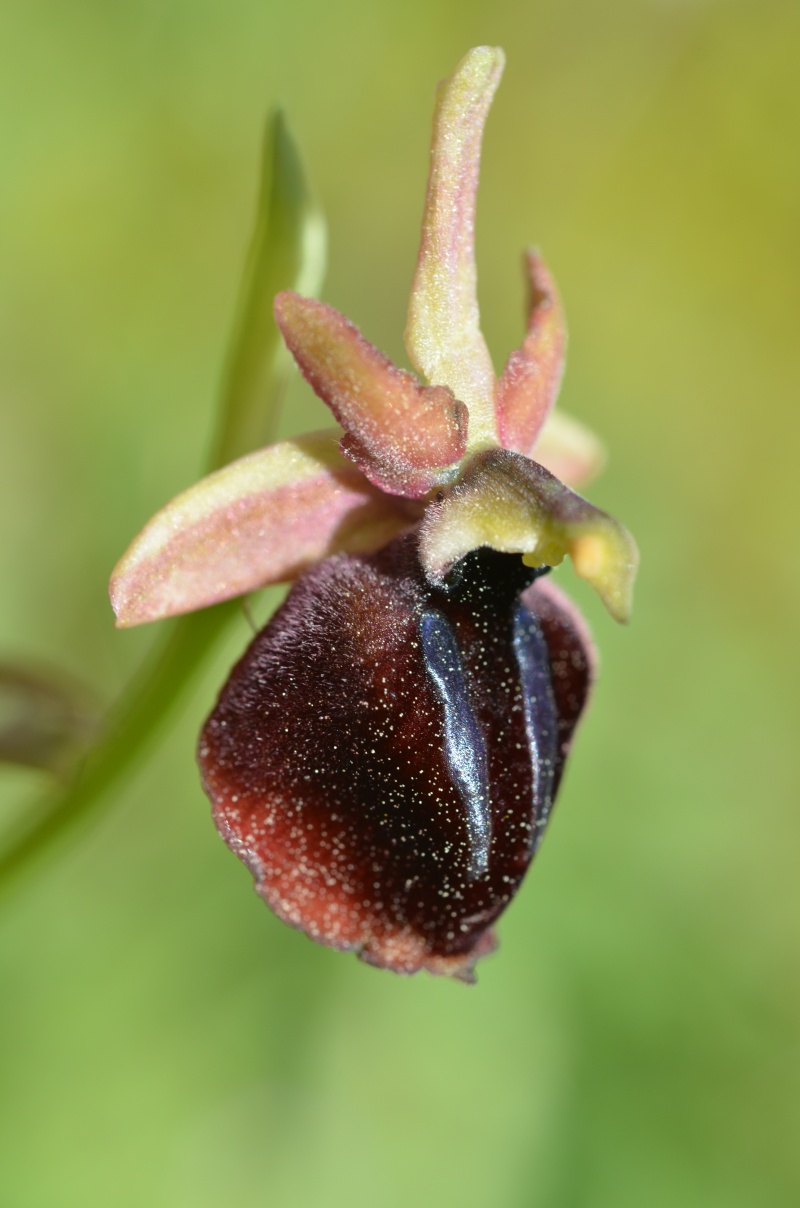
x=385 y=756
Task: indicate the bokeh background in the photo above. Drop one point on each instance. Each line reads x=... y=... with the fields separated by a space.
x=636 y=1040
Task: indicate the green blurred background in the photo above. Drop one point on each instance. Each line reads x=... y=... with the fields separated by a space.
x=635 y=1041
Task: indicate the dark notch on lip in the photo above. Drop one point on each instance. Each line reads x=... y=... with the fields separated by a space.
x=486 y=569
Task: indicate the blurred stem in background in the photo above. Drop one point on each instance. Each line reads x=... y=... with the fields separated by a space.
x=287 y=251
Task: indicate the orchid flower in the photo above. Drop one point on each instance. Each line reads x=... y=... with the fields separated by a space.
x=385 y=756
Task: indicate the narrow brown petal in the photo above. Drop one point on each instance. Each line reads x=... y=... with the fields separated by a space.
x=385 y=755
x=406 y=438
x=529 y=386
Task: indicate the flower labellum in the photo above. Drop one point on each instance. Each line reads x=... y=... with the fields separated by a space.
x=385 y=756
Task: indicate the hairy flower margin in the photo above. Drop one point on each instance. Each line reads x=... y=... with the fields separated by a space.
x=385 y=756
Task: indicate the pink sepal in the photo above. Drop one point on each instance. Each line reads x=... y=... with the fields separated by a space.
x=262 y=519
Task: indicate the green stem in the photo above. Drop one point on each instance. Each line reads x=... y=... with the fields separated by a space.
x=152 y=696
x=287 y=251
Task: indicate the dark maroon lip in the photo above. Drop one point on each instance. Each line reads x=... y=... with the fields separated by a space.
x=385 y=755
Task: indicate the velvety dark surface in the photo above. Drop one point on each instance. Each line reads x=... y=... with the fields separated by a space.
x=382 y=754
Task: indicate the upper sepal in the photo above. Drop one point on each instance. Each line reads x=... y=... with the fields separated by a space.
x=443 y=335
x=510 y=503
x=260 y=520
x=406 y=438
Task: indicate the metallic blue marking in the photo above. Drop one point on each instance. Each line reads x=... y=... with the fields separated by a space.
x=541 y=717
x=464 y=745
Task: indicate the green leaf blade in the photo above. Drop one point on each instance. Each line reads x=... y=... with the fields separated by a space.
x=287 y=251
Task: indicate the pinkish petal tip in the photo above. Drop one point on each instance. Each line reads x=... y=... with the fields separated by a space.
x=529 y=386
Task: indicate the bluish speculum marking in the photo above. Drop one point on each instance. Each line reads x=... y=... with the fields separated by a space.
x=464 y=746
x=541 y=719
